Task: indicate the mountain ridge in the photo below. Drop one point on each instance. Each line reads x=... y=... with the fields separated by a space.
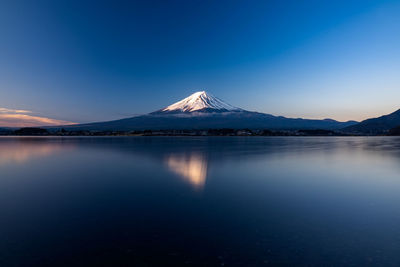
x=204 y=111
x=379 y=125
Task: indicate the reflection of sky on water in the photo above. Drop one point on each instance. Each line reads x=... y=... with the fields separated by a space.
x=261 y=199
x=192 y=168
x=190 y=158
x=21 y=150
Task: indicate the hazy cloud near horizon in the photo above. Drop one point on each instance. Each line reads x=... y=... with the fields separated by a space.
x=24 y=118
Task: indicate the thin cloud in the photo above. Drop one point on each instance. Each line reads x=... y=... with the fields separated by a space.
x=23 y=118
x=11 y=111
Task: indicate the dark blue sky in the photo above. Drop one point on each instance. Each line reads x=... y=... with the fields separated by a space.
x=85 y=61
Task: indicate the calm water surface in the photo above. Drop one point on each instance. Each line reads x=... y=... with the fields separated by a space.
x=170 y=201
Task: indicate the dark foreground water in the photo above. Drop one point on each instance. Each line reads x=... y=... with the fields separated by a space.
x=170 y=201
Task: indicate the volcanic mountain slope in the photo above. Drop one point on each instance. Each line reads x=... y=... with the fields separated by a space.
x=204 y=111
x=380 y=125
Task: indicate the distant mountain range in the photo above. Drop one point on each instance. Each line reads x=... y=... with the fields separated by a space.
x=381 y=125
x=204 y=111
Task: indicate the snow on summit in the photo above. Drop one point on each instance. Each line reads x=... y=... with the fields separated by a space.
x=200 y=101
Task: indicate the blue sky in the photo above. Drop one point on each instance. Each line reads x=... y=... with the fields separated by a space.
x=84 y=61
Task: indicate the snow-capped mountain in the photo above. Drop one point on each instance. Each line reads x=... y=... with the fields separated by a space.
x=198 y=102
x=204 y=111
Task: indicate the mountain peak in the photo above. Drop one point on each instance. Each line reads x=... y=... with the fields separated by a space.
x=199 y=102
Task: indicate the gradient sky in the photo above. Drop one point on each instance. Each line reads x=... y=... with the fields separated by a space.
x=83 y=61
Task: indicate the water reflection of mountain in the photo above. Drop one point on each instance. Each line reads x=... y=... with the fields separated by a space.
x=190 y=157
x=191 y=167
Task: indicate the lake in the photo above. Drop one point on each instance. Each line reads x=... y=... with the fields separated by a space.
x=200 y=201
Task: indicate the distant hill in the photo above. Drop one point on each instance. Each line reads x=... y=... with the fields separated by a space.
x=204 y=111
x=381 y=125
x=395 y=131
x=5 y=131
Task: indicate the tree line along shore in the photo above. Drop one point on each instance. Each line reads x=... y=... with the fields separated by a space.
x=29 y=131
